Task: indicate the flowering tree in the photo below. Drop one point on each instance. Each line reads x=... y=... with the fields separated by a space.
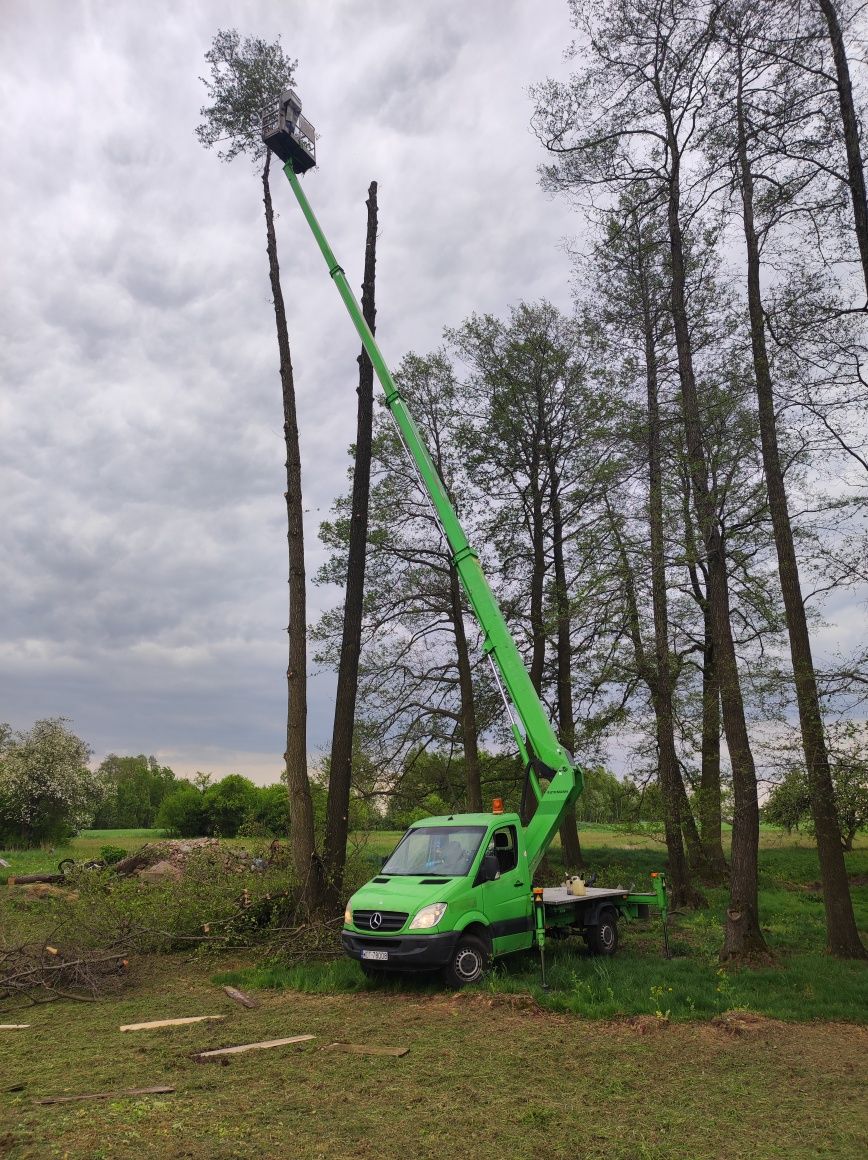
x=46 y=787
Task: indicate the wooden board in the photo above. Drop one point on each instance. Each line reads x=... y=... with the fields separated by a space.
x=170 y=1022
x=366 y=1049
x=122 y=1095
x=262 y=1046
x=13 y=1026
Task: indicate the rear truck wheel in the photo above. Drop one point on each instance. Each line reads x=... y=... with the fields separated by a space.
x=468 y=962
x=603 y=938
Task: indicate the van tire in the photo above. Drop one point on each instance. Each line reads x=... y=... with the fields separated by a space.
x=468 y=962
x=603 y=937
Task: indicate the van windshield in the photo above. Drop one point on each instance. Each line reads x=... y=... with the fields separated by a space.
x=447 y=851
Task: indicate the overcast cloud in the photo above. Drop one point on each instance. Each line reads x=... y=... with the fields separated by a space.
x=144 y=554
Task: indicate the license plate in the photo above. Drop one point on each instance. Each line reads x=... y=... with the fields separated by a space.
x=379 y=956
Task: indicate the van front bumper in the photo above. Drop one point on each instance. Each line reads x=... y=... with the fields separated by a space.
x=409 y=952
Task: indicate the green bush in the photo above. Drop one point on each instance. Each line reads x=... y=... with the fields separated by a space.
x=111 y=854
x=228 y=803
x=182 y=813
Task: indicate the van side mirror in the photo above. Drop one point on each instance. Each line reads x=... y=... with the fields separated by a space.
x=489 y=869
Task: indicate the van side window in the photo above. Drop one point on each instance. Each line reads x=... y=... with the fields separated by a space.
x=506 y=848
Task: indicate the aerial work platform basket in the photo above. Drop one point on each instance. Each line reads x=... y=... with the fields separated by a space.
x=290 y=135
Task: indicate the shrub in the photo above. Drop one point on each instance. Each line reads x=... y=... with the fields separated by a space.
x=111 y=854
x=228 y=803
x=182 y=813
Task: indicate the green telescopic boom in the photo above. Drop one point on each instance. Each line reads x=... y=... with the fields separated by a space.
x=543 y=754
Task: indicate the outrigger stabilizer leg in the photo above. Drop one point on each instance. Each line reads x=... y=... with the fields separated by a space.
x=659 y=881
x=540 y=931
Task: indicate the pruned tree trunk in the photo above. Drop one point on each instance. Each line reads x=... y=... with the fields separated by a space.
x=308 y=870
x=841 y=932
x=341 y=764
x=742 y=936
x=850 y=124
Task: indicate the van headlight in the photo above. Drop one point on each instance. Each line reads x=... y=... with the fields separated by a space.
x=348 y=916
x=428 y=916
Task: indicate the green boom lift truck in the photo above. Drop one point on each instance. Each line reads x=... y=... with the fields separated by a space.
x=457 y=891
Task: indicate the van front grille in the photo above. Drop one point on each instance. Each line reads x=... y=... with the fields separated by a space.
x=379 y=920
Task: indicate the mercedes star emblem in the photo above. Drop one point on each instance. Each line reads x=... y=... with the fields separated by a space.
x=376 y=920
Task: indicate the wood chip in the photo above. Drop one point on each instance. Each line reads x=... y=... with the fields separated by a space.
x=240 y=997
x=170 y=1022
x=13 y=1026
x=266 y=1043
x=126 y=1094
x=366 y=1049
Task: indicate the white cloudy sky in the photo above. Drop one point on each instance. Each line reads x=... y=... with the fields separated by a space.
x=143 y=568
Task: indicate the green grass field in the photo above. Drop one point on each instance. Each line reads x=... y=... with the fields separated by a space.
x=631 y=1057
x=486 y=1075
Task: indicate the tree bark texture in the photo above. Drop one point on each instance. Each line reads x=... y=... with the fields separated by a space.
x=305 y=862
x=341 y=764
x=658 y=675
x=571 y=849
x=469 y=731
x=742 y=936
x=850 y=123
x=709 y=805
x=681 y=890
x=841 y=932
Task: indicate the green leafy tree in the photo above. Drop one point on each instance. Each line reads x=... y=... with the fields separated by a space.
x=789 y=804
x=271 y=810
x=182 y=813
x=228 y=803
x=47 y=790
x=134 y=788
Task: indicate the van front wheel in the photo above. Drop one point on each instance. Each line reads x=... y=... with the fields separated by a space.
x=468 y=962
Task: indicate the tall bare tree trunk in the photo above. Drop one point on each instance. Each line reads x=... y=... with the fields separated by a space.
x=681 y=890
x=841 y=932
x=709 y=805
x=742 y=936
x=341 y=765
x=469 y=731
x=850 y=123
x=305 y=862
x=659 y=675
x=571 y=849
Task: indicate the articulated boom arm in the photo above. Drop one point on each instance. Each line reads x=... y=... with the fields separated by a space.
x=543 y=754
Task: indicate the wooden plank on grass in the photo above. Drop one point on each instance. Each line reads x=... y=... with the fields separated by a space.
x=122 y=1095
x=13 y=1026
x=262 y=1046
x=367 y=1049
x=170 y=1022
x=240 y=997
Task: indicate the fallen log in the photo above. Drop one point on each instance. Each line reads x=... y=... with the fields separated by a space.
x=28 y=879
x=240 y=997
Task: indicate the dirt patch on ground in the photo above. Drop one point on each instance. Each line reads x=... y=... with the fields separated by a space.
x=169 y=859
